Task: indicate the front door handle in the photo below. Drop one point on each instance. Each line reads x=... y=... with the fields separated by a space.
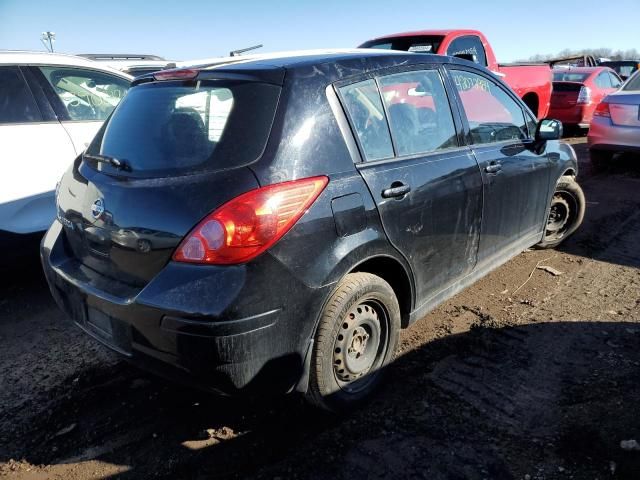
x=493 y=167
x=397 y=189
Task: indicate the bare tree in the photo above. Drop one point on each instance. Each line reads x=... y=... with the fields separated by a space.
x=630 y=54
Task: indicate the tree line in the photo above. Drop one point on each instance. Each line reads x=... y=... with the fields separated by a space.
x=631 y=54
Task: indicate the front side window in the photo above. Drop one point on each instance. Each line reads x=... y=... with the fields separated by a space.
x=468 y=45
x=16 y=102
x=86 y=94
x=362 y=101
x=419 y=112
x=492 y=114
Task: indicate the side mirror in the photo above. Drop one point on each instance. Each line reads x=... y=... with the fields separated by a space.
x=549 y=129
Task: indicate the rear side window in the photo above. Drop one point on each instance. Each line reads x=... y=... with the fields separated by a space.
x=468 y=45
x=86 y=94
x=492 y=114
x=363 y=103
x=167 y=126
x=16 y=102
x=603 y=81
x=615 y=81
x=419 y=112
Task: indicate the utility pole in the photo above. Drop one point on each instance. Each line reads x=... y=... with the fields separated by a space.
x=47 y=40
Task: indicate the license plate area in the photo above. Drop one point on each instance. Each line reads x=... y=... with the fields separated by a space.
x=99 y=323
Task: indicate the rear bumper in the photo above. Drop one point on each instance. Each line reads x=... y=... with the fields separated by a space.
x=212 y=327
x=603 y=135
x=580 y=115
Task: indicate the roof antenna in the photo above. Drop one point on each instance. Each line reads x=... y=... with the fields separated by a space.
x=237 y=53
x=47 y=40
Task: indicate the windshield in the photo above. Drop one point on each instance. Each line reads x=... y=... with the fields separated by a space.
x=570 y=77
x=633 y=83
x=418 y=44
x=165 y=126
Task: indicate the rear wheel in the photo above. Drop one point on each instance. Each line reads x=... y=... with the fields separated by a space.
x=356 y=338
x=565 y=213
x=600 y=159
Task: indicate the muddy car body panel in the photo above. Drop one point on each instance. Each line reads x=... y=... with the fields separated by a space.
x=110 y=257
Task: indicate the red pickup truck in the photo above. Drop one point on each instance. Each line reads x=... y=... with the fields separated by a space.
x=532 y=82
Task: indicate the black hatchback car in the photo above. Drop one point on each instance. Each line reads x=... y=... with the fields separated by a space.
x=271 y=225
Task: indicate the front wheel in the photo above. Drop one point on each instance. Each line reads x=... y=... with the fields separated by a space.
x=565 y=213
x=356 y=338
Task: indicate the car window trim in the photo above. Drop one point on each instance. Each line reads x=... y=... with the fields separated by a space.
x=337 y=88
x=453 y=106
x=433 y=67
x=46 y=109
x=465 y=120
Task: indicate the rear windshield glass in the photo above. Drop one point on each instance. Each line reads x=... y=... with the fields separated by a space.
x=161 y=127
x=418 y=44
x=633 y=83
x=570 y=77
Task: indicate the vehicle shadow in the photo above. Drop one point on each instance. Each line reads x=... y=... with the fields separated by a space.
x=546 y=399
x=611 y=226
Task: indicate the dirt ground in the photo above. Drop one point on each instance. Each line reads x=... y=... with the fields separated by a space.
x=525 y=375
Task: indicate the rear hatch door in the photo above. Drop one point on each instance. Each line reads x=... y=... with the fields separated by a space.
x=171 y=153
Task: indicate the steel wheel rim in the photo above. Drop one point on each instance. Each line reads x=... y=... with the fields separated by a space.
x=562 y=211
x=360 y=345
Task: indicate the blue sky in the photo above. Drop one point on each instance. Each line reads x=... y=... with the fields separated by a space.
x=190 y=29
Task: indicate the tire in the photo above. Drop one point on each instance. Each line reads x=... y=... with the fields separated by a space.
x=600 y=159
x=566 y=212
x=355 y=340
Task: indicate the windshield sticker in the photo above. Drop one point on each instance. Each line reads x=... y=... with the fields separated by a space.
x=421 y=48
x=465 y=83
x=466 y=51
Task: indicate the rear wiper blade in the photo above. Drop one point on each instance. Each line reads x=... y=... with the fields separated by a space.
x=114 y=162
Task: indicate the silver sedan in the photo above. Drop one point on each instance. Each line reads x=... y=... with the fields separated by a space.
x=616 y=123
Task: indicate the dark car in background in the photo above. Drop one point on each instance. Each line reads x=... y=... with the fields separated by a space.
x=577 y=91
x=624 y=68
x=271 y=225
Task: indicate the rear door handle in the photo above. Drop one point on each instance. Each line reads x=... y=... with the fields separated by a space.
x=493 y=167
x=397 y=189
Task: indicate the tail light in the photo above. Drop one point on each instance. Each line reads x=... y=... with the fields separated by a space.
x=176 y=74
x=584 y=96
x=602 y=110
x=246 y=226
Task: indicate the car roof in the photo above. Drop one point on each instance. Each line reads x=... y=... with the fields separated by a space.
x=330 y=65
x=430 y=33
x=22 y=57
x=304 y=58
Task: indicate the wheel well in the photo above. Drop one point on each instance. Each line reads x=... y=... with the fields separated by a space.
x=570 y=172
x=531 y=100
x=395 y=275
